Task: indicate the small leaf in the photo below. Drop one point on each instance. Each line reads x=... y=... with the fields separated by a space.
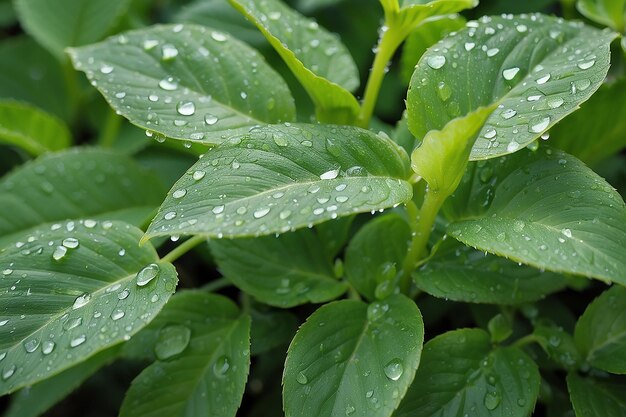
x=500 y=328
x=406 y=15
x=548 y=210
x=461 y=373
x=380 y=244
x=92 y=288
x=601 y=331
x=280 y=178
x=558 y=344
x=282 y=271
x=611 y=13
x=353 y=359
x=68 y=22
x=597 y=396
x=317 y=58
x=78 y=183
x=513 y=64
x=186 y=82
x=31 y=129
x=460 y=273
x=207 y=376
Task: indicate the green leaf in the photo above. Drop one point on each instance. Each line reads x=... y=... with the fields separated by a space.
x=92 y=288
x=602 y=118
x=186 y=82
x=316 y=57
x=558 y=344
x=283 y=271
x=31 y=129
x=500 y=328
x=611 y=13
x=597 y=396
x=353 y=359
x=271 y=328
x=601 y=331
x=461 y=373
x=335 y=234
x=62 y=23
x=284 y=177
x=78 y=183
x=381 y=243
x=423 y=37
x=408 y=14
x=536 y=68
x=201 y=375
x=460 y=273
x=34 y=401
x=549 y=211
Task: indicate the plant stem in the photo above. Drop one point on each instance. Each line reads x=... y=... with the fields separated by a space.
x=526 y=340
x=110 y=130
x=183 y=248
x=389 y=42
x=421 y=233
x=216 y=285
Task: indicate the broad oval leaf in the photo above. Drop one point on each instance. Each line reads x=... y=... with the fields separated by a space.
x=78 y=183
x=461 y=373
x=536 y=68
x=549 y=211
x=317 y=58
x=186 y=82
x=283 y=271
x=382 y=243
x=610 y=13
x=353 y=359
x=597 y=396
x=68 y=22
x=601 y=331
x=72 y=289
x=203 y=374
x=460 y=273
x=283 y=177
x=32 y=129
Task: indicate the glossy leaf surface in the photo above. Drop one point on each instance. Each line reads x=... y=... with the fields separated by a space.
x=611 y=13
x=597 y=397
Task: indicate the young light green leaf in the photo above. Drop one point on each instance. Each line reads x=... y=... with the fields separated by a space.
x=317 y=58
x=72 y=289
x=611 y=13
x=283 y=177
x=460 y=273
x=353 y=359
x=79 y=183
x=35 y=400
x=442 y=157
x=186 y=82
x=68 y=22
x=597 y=396
x=203 y=373
x=381 y=244
x=602 y=118
x=406 y=15
x=536 y=80
x=549 y=211
x=461 y=373
x=31 y=129
x=283 y=271
x=601 y=331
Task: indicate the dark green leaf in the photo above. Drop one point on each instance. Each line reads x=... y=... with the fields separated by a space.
x=460 y=273
x=601 y=331
x=186 y=82
x=536 y=68
x=283 y=271
x=610 y=13
x=204 y=375
x=558 y=344
x=31 y=129
x=461 y=373
x=548 y=211
x=283 y=177
x=71 y=290
x=353 y=359
x=271 y=328
x=63 y=23
x=597 y=396
x=380 y=244
x=316 y=57
x=335 y=234
x=78 y=183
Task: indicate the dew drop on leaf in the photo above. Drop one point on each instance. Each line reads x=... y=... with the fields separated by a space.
x=302 y=379
x=147 y=274
x=221 y=366
x=78 y=341
x=81 y=300
x=394 y=369
x=172 y=340
x=436 y=61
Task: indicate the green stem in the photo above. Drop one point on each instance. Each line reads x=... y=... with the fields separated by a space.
x=216 y=285
x=526 y=340
x=389 y=42
x=183 y=248
x=111 y=129
x=71 y=87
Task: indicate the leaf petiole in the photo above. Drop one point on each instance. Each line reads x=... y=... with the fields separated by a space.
x=183 y=248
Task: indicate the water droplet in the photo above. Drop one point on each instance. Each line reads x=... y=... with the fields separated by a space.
x=543 y=79
x=512 y=146
x=539 y=124
x=170 y=215
x=436 y=61
x=147 y=274
x=168 y=84
x=444 y=91
x=149 y=44
x=350 y=409
x=7 y=271
x=469 y=46
x=8 y=372
x=168 y=52
x=72 y=323
x=586 y=65
x=121 y=252
x=490 y=133
x=492 y=400
x=280 y=140
x=582 y=85
x=59 y=253
x=567 y=232
x=218 y=209
x=154 y=298
x=90 y=224
x=70 y=243
x=521 y=28
x=179 y=193
x=330 y=175
x=535 y=97
x=369 y=394
x=394 y=369
x=274 y=15
x=210 y=119
x=2 y=356
x=510 y=73
x=3 y=322
x=186 y=108
x=47 y=347
x=261 y=212
x=78 y=341
x=243 y=95
x=81 y=300
x=555 y=102
x=508 y=113
x=123 y=295
x=302 y=379
x=31 y=345
x=172 y=340
x=284 y=214
x=221 y=366
x=106 y=69
x=153 y=98
x=198 y=175
x=492 y=52
x=218 y=36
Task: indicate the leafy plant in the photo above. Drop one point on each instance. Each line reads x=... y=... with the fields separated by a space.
x=448 y=219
